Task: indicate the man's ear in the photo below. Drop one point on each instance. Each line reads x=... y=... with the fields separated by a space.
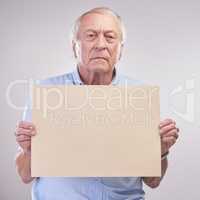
x=74 y=48
x=121 y=49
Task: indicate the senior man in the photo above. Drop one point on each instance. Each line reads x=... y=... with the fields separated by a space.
x=98 y=39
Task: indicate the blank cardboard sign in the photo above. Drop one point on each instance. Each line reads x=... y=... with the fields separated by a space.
x=91 y=131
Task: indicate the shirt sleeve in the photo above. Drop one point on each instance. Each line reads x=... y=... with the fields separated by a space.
x=27 y=113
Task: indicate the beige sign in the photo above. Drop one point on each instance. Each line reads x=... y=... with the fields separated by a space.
x=90 y=131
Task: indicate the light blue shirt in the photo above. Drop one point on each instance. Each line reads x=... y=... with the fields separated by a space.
x=85 y=188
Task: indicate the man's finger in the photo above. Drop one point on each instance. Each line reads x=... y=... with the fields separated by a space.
x=173 y=133
x=25 y=124
x=22 y=138
x=167 y=128
x=23 y=131
x=170 y=140
x=166 y=122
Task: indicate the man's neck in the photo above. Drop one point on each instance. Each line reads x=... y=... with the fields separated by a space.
x=95 y=78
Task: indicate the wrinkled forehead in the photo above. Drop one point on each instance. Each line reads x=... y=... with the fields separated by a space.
x=100 y=22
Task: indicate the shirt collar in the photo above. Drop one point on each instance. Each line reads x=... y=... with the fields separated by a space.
x=76 y=77
x=77 y=80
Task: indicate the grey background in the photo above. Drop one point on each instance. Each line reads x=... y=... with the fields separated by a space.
x=162 y=47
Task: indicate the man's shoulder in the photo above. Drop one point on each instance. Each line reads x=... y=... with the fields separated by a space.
x=61 y=79
x=127 y=80
x=67 y=79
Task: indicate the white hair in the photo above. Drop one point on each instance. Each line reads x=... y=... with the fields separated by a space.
x=101 y=10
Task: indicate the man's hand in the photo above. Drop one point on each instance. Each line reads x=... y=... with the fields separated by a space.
x=168 y=133
x=24 y=131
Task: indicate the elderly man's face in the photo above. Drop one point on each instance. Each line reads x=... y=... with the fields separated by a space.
x=98 y=47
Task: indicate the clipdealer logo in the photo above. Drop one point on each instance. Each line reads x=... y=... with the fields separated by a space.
x=188 y=93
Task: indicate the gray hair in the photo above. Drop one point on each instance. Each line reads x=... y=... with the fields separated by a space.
x=101 y=10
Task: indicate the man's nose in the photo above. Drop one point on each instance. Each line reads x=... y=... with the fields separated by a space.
x=101 y=42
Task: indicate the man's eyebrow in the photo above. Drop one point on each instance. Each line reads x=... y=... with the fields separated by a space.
x=111 y=31
x=90 y=30
x=106 y=31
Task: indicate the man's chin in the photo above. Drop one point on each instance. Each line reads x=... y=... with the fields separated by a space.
x=99 y=68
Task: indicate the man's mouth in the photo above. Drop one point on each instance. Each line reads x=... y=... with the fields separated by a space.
x=100 y=58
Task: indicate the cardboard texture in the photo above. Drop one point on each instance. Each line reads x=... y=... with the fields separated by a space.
x=91 y=131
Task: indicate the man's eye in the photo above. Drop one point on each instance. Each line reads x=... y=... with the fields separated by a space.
x=110 y=36
x=90 y=36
